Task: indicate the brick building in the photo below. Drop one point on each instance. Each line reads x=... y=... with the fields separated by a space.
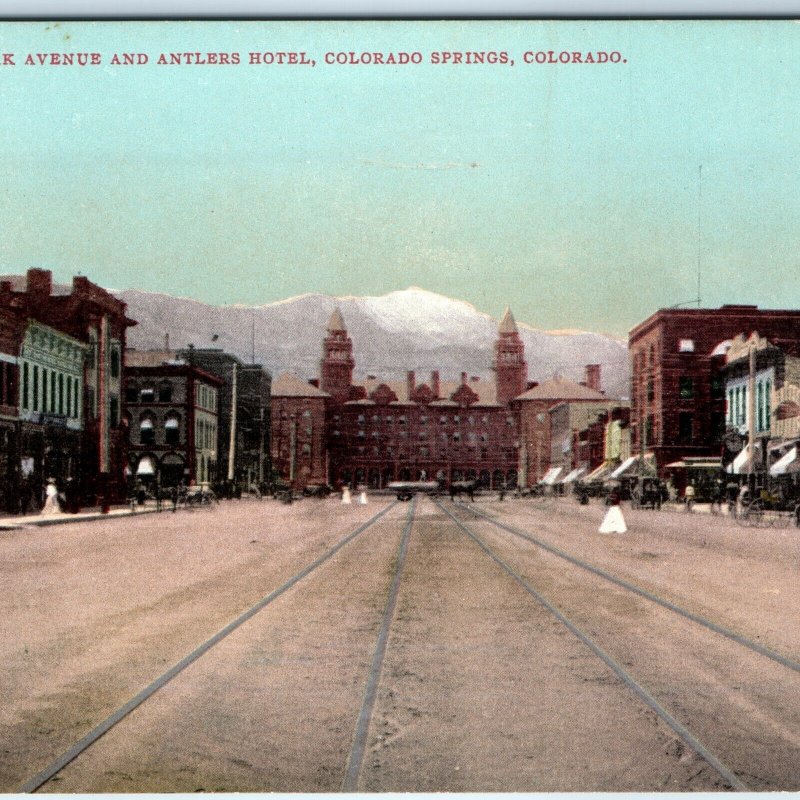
x=297 y=437
x=51 y=323
x=379 y=431
x=678 y=403
x=171 y=408
x=533 y=408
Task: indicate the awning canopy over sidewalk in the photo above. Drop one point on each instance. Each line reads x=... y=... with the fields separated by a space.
x=574 y=475
x=600 y=472
x=786 y=463
x=625 y=467
x=740 y=464
x=550 y=476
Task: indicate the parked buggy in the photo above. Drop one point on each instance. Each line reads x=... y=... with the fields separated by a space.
x=771 y=505
x=648 y=492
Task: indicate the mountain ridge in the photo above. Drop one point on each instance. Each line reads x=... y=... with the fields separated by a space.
x=392 y=333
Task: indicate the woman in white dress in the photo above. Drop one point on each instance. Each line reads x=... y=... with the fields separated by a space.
x=51 y=504
x=613 y=522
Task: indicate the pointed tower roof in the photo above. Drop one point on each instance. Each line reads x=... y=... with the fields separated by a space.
x=336 y=323
x=508 y=324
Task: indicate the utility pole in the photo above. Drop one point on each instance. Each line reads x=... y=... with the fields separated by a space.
x=292 y=447
x=232 y=442
x=751 y=408
x=261 y=446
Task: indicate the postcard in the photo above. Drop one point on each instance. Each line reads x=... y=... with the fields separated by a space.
x=399 y=406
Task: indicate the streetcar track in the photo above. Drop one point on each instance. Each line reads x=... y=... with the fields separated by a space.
x=123 y=711
x=681 y=730
x=356 y=757
x=756 y=647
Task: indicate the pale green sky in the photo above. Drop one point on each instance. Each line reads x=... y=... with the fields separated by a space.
x=569 y=191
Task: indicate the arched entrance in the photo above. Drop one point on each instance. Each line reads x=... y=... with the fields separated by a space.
x=171 y=469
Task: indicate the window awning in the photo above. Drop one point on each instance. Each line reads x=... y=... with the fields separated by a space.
x=696 y=463
x=739 y=464
x=146 y=466
x=624 y=467
x=574 y=475
x=599 y=472
x=550 y=476
x=784 y=463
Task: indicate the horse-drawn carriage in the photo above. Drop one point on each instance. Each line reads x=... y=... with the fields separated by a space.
x=770 y=505
x=405 y=490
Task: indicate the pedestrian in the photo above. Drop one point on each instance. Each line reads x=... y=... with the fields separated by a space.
x=716 y=497
x=613 y=522
x=688 y=497
x=362 y=499
x=51 y=505
x=346 y=498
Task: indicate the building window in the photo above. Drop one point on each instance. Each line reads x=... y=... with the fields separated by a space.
x=44 y=390
x=25 y=378
x=165 y=393
x=767 y=405
x=147 y=395
x=686 y=346
x=131 y=394
x=53 y=384
x=717 y=387
x=69 y=397
x=147 y=432
x=115 y=362
x=172 y=427
x=685 y=387
x=685 y=427
x=717 y=426
x=60 y=392
x=114 y=410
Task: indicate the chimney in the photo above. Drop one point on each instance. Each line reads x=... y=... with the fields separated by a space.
x=166 y=341
x=593 y=376
x=411 y=382
x=435 y=383
x=463 y=377
x=40 y=282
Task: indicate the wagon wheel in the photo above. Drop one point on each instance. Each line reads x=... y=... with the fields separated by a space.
x=754 y=514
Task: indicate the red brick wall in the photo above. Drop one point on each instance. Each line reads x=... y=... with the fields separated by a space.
x=307 y=416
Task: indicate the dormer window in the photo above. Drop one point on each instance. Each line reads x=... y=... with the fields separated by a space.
x=686 y=346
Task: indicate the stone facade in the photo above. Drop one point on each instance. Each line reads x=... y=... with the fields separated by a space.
x=171 y=411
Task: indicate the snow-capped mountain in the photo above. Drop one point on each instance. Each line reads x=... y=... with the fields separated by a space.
x=399 y=331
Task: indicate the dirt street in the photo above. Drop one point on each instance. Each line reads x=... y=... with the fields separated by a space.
x=481 y=687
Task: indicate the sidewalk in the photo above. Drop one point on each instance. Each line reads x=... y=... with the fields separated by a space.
x=40 y=521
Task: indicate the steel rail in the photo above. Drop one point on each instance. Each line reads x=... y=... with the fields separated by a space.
x=87 y=741
x=355 y=760
x=632 y=587
x=685 y=734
